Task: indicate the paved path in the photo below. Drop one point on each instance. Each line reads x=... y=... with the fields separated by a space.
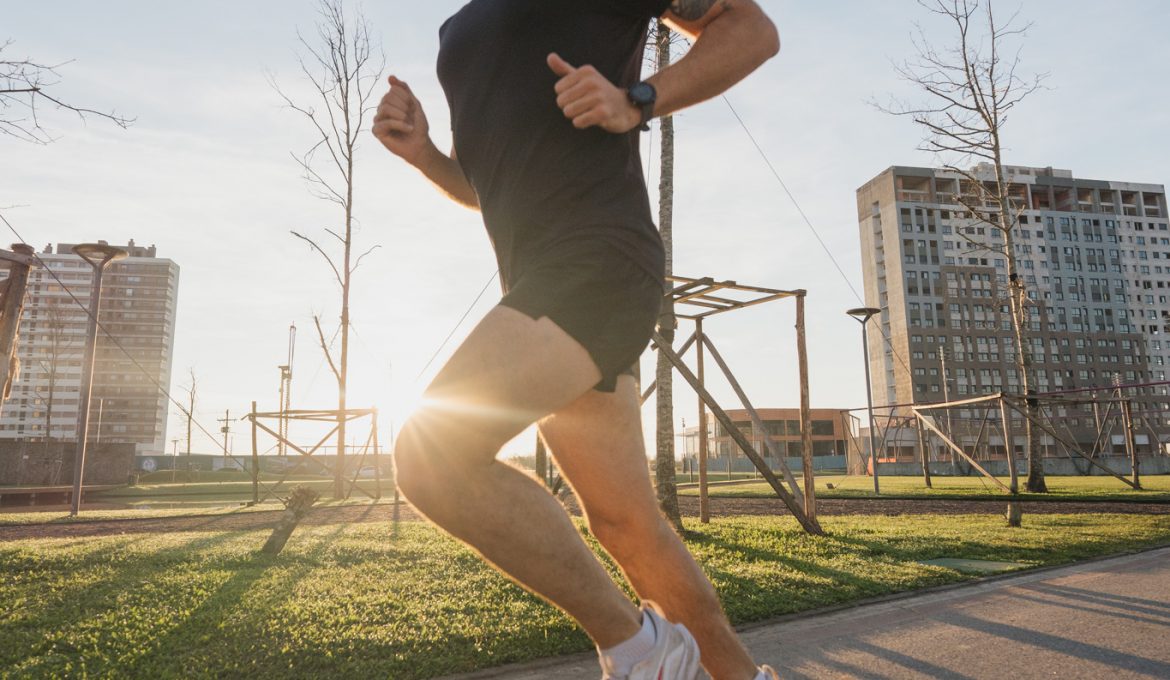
x=1106 y=619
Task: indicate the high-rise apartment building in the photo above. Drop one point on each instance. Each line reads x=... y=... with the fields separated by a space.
x=138 y=301
x=1095 y=261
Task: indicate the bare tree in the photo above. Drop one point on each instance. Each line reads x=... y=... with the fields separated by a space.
x=664 y=477
x=971 y=87
x=62 y=346
x=343 y=69
x=27 y=89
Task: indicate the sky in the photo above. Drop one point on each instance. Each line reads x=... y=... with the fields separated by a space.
x=205 y=174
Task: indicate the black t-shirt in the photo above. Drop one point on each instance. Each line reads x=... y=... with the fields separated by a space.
x=543 y=184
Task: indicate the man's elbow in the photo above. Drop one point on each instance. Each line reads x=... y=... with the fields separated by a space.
x=769 y=38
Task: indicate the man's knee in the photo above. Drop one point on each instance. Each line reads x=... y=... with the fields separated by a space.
x=415 y=469
x=623 y=531
x=436 y=452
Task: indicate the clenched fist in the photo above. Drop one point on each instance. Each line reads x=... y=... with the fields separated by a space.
x=400 y=123
x=589 y=100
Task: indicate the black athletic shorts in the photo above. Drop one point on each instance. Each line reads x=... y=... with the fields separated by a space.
x=599 y=296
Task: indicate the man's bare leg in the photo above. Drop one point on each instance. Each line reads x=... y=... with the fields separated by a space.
x=597 y=442
x=509 y=372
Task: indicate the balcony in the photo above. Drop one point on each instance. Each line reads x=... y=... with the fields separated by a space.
x=911 y=196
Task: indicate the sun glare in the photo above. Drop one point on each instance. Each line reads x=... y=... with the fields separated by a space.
x=400 y=404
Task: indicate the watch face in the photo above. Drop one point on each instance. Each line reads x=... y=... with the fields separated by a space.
x=643 y=93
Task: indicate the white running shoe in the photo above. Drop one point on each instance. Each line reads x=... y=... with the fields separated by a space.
x=769 y=673
x=675 y=655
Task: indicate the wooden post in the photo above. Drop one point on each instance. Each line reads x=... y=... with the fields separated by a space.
x=1130 y=442
x=1010 y=447
x=255 y=460
x=1071 y=446
x=922 y=446
x=957 y=449
x=757 y=422
x=394 y=470
x=377 y=457
x=1014 y=510
x=811 y=526
x=704 y=501
x=540 y=465
x=806 y=453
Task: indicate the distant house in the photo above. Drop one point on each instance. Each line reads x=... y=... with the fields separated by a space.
x=831 y=430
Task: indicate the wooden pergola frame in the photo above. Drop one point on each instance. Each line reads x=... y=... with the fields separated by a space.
x=334 y=418
x=1004 y=405
x=704 y=298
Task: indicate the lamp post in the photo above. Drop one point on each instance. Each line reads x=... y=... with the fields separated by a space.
x=863 y=315
x=98 y=255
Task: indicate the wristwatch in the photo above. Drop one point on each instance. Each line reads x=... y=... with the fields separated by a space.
x=644 y=96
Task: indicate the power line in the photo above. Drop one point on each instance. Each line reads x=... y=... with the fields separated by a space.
x=458 y=324
x=813 y=229
x=110 y=336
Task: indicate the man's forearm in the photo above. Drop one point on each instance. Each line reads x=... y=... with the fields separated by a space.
x=730 y=47
x=445 y=173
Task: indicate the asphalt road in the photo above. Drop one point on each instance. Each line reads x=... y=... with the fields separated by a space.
x=1106 y=619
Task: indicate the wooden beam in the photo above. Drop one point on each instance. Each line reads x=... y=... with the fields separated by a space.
x=757 y=422
x=654 y=385
x=958 y=449
x=806 y=453
x=810 y=525
x=1071 y=446
x=704 y=500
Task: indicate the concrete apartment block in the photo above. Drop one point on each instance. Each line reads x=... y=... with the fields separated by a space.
x=138 y=305
x=1095 y=259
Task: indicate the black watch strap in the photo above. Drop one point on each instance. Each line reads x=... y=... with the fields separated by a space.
x=644 y=96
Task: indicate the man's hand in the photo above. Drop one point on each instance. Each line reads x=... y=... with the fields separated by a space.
x=589 y=100
x=401 y=125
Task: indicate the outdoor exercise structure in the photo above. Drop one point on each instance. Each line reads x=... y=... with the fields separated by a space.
x=980 y=429
x=698 y=300
x=344 y=484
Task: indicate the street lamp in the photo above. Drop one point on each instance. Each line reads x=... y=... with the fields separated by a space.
x=863 y=315
x=98 y=255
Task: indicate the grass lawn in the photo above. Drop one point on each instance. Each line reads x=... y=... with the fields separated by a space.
x=358 y=601
x=1155 y=488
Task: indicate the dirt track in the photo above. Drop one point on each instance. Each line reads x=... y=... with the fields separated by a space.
x=689 y=507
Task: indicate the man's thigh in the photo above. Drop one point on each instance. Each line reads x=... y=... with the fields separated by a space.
x=597 y=442
x=509 y=372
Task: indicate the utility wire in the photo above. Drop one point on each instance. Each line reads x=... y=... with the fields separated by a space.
x=813 y=229
x=110 y=336
x=792 y=198
x=458 y=324
x=808 y=222
x=121 y=348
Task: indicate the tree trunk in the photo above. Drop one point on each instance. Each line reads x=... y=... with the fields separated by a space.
x=541 y=460
x=1017 y=297
x=343 y=369
x=665 y=483
x=299 y=502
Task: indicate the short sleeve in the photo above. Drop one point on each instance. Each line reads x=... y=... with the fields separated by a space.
x=643 y=9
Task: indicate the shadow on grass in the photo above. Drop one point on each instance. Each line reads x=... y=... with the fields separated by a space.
x=808 y=585
x=73 y=608
x=166 y=654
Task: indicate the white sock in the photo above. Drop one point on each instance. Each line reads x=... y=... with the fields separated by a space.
x=760 y=676
x=619 y=660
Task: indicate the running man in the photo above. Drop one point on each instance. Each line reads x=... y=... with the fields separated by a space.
x=546 y=104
